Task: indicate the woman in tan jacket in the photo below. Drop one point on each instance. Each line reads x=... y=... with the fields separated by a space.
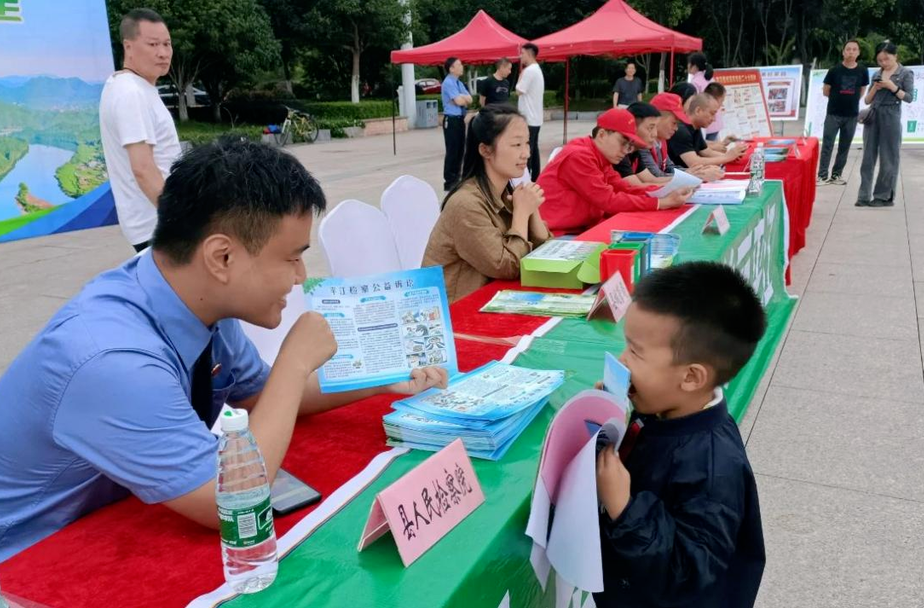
x=487 y=226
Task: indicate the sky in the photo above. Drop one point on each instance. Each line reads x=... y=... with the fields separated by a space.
x=64 y=38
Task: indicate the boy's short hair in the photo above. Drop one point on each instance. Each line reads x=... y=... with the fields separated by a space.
x=235 y=187
x=721 y=318
x=642 y=110
x=532 y=48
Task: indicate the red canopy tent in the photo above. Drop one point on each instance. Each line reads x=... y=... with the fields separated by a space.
x=483 y=40
x=615 y=29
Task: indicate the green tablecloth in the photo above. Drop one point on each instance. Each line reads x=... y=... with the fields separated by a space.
x=487 y=555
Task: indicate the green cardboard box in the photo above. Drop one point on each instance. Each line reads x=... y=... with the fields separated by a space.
x=562 y=264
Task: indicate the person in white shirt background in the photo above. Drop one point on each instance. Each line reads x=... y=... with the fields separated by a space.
x=140 y=141
x=531 y=88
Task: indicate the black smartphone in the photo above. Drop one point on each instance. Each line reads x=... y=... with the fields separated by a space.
x=290 y=493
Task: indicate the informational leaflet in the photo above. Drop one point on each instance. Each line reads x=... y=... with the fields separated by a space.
x=912 y=113
x=385 y=326
x=493 y=391
x=746 y=114
x=723 y=192
x=680 y=179
x=540 y=304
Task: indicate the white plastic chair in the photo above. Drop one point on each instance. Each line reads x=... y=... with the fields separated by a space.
x=523 y=179
x=412 y=208
x=554 y=153
x=357 y=240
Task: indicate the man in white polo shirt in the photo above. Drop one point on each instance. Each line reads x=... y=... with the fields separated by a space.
x=139 y=138
x=531 y=88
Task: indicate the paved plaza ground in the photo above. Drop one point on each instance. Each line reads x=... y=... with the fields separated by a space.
x=835 y=432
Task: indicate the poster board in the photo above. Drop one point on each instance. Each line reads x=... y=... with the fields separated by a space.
x=912 y=114
x=745 y=110
x=53 y=64
x=782 y=86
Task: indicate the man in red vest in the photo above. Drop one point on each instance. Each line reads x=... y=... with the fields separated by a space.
x=582 y=188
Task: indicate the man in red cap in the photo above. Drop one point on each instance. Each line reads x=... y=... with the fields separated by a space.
x=582 y=188
x=657 y=160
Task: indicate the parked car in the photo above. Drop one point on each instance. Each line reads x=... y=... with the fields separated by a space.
x=168 y=95
x=428 y=86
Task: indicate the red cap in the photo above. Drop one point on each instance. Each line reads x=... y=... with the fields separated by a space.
x=669 y=102
x=622 y=122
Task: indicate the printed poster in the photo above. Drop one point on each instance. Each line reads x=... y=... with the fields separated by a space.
x=54 y=60
x=782 y=90
x=746 y=114
x=912 y=113
x=385 y=325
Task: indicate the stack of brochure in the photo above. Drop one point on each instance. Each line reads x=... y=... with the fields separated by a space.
x=487 y=408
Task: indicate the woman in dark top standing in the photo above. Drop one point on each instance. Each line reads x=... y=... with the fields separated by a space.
x=882 y=139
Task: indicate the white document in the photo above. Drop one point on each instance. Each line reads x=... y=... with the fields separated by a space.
x=567 y=480
x=680 y=179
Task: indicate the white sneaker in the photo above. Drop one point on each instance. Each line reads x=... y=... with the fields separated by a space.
x=821 y=181
x=837 y=180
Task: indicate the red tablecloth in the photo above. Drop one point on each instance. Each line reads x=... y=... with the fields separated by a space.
x=798 y=173
x=134 y=555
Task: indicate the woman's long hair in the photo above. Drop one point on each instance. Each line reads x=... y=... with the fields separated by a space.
x=699 y=60
x=485 y=128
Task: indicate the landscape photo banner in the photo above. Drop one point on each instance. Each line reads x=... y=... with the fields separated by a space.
x=912 y=113
x=53 y=64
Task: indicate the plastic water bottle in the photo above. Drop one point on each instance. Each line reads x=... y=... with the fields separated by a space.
x=757 y=170
x=248 y=538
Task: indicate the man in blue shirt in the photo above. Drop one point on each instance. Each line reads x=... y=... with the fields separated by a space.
x=455 y=99
x=117 y=393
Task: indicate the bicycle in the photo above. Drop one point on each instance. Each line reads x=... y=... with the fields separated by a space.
x=298 y=127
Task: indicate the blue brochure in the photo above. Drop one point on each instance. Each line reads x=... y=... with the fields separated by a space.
x=385 y=325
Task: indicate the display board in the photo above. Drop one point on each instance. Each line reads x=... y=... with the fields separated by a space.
x=53 y=63
x=912 y=113
x=745 y=109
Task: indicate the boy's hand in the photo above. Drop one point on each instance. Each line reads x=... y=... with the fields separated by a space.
x=421 y=379
x=613 y=482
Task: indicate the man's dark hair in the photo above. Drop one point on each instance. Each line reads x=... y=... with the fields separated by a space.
x=684 y=90
x=234 y=187
x=642 y=110
x=721 y=318
x=632 y=63
x=449 y=62
x=128 y=29
x=715 y=89
x=851 y=41
x=503 y=61
x=532 y=48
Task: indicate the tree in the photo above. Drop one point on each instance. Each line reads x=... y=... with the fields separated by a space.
x=221 y=40
x=287 y=18
x=355 y=25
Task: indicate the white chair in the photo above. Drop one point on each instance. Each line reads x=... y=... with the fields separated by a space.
x=554 y=153
x=523 y=179
x=357 y=240
x=412 y=208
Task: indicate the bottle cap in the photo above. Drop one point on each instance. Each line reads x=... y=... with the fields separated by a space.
x=234 y=419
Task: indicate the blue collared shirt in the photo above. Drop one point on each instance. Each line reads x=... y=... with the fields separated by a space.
x=98 y=404
x=452 y=87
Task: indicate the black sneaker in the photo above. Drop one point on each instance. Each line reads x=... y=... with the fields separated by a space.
x=880 y=202
x=862 y=203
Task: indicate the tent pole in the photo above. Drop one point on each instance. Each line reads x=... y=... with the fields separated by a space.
x=564 y=137
x=672 y=66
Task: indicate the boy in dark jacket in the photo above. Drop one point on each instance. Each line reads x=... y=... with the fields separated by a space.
x=681 y=524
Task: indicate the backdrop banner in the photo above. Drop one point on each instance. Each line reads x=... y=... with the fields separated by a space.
x=912 y=113
x=53 y=63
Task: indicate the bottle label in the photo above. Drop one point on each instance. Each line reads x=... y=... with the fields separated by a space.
x=241 y=528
